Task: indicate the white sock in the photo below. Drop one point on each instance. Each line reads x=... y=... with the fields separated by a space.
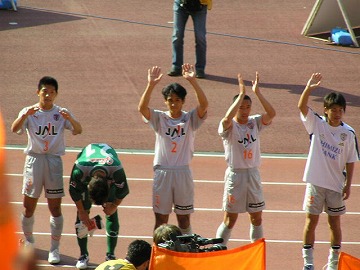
x=56 y=228
x=334 y=253
x=223 y=232
x=188 y=230
x=256 y=232
x=27 y=225
x=308 y=255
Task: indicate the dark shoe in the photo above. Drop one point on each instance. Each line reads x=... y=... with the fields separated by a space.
x=175 y=72
x=200 y=74
x=110 y=257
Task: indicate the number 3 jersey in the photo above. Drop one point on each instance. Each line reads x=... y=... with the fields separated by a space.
x=242 y=143
x=45 y=130
x=174 y=145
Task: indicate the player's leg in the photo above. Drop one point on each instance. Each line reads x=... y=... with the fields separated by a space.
x=31 y=189
x=54 y=191
x=112 y=232
x=83 y=260
x=255 y=204
x=314 y=201
x=335 y=207
x=225 y=228
x=184 y=223
x=162 y=196
x=256 y=228
x=27 y=218
x=183 y=189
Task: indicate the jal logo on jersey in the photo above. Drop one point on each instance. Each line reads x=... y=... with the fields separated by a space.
x=175 y=132
x=247 y=140
x=48 y=130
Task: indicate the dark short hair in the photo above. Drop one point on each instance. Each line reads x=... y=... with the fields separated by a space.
x=246 y=97
x=47 y=80
x=334 y=98
x=139 y=251
x=174 y=88
x=163 y=233
x=98 y=190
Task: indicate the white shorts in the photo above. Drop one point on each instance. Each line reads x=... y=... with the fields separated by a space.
x=318 y=199
x=243 y=191
x=43 y=171
x=173 y=187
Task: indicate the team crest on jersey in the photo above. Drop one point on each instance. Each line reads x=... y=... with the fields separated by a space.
x=343 y=136
x=250 y=125
x=56 y=117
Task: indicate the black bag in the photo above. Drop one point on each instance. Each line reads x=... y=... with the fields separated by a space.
x=191 y=5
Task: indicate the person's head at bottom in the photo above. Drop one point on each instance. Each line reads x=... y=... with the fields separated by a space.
x=137 y=257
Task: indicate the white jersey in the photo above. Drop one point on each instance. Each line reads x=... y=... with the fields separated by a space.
x=45 y=130
x=242 y=143
x=330 y=149
x=174 y=145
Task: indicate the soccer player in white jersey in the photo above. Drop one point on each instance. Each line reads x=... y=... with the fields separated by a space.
x=240 y=134
x=329 y=169
x=175 y=134
x=44 y=123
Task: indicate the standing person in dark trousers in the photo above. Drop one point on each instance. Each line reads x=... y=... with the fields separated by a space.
x=329 y=169
x=97 y=177
x=197 y=10
x=45 y=124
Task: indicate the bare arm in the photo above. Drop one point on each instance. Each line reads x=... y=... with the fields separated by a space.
x=77 y=129
x=154 y=76
x=82 y=213
x=231 y=112
x=110 y=207
x=312 y=84
x=18 y=122
x=349 y=175
x=189 y=74
x=269 y=109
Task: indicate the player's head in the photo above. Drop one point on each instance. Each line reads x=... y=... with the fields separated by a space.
x=334 y=107
x=98 y=190
x=139 y=252
x=243 y=113
x=174 y=88
x=163 y=233
x=47 y=80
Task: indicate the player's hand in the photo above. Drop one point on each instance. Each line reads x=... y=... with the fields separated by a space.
x=84 y=218
x=65 y=113
x=255 y=84
x=154 y=75
x=241 y=84
x=314 y=81
x=346 y=193
x=109 y=208
x=32 y=110
x=188 y=71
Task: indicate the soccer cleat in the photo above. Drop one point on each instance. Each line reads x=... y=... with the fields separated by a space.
x=110 y=257
x=54 y=256
x=200 y=74
x=82 y=263
x=331 y=265
x=175 y=72
x=308 y=267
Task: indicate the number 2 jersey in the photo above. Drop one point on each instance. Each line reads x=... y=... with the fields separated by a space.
x=45 y=130
x=242 y=143
x=174 y=145
x=98 y=157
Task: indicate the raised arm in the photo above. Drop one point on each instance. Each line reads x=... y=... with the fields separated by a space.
x=312 y=83
x=269 y=109
x=231 y=112
x=189 y=74
x=154 y=76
